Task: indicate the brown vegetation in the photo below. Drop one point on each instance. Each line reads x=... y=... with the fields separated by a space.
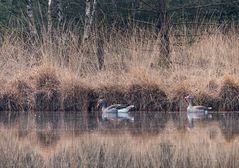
x=47 y=89
x=47 y=92
x=130 y=75
x=229 y=95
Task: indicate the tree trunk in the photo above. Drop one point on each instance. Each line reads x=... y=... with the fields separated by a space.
x=99 y=40
x=1 y=39
x=87 y=25
x=163 y=30
x=59 y=13
x=135 y=7
x=93 y=12
x=100 y=49
x=49 y=20
x=92 y=20
x=31 y=23
x=99 y=36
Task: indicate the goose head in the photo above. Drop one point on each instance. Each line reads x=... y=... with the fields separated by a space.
x=189 y=99
x=102 y=103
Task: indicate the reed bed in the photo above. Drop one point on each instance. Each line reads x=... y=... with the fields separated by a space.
x=61 y=74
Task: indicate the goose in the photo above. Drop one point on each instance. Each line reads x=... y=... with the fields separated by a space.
x=196 y=112
x=117 y=112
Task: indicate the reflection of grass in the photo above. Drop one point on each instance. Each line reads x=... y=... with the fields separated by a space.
x=63 y=74
x=190 y=149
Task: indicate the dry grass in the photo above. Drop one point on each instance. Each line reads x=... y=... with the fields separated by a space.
x=63 y=74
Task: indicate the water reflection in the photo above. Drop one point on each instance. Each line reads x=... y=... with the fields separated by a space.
x=229 y=124
x=149 y=122
x=75 y=122
x=48 y=127
x=118 y=117
x=9 y=117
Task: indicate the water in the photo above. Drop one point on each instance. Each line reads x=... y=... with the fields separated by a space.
x=49 y=127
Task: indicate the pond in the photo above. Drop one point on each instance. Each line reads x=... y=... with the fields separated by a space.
x=48 y=127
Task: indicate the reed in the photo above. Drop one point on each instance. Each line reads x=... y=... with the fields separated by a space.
x=62 y=74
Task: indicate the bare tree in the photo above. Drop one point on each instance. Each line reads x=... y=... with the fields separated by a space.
x=49 y=20
x=99 y=41
x=59 y=12
x=87 y=19
x=135 y=7
x=1 y=39
x=92 y=20
x=31 y=22
x=90 y=10
x=163 y=30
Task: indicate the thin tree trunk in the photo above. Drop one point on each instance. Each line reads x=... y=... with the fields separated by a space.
x=91 y=19
x=93 y=12
x=62 y=37
x=87 y=25
x=100 y=49
x=31 y=23
x=99 y=36
x=99 y=42
x=90 y=11
x=135 y=7
x=1 y=39
x=163 y=29
x=49 y=20
x=59 y=13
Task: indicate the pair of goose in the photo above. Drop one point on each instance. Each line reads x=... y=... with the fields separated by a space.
x=120 y=112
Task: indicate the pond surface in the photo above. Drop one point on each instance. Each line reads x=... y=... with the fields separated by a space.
x=49 y=127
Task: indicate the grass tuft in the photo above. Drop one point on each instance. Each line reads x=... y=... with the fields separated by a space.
x=229 y=94
x=47 y=85
x=148 y=97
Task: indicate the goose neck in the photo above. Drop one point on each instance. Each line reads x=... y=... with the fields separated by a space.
x=190 y=104
x=103 y=108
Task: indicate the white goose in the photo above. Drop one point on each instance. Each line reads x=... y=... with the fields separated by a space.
x=114 y=112
x=196 y=112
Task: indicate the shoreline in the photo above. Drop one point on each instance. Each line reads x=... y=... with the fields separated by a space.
x=49 y=91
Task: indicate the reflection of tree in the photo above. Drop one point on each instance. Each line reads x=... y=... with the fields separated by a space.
x=48 y=136
x=24 y=122
x=48 y=127
x=179 y=119
x=114 y=126
x=229 y=125
x=9 y=117
x=149 y=122
x=75 y=122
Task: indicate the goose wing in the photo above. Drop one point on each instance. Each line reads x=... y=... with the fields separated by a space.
x=202 y=108
x=117 y=106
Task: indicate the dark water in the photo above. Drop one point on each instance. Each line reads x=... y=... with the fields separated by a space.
x=50 y=126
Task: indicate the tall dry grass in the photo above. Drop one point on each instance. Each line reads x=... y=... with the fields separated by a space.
x=200 y=65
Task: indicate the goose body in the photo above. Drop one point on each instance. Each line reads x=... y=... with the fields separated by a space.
x=116 y=112
x=196 y=112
